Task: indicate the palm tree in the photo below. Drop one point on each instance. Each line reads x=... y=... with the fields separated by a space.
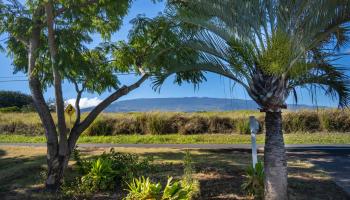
x=270 y=48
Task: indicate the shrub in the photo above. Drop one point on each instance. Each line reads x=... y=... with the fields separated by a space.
x=158 y=124
x=220 y=124
x=100 y=177
x=20 y=127
x=119 y=167
x=305 y=121
x=127 y=125
x=242 y=126
x=254 y=182
x=143 y=189
x=177 y=121
x=195 y=125
x=335 y=120
x=101 y=126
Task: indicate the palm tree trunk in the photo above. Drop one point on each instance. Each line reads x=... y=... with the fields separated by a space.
x=275 y=162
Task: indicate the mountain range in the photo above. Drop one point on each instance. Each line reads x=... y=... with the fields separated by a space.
x=187 y=104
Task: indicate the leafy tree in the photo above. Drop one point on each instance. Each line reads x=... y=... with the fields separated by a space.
x=12 y=98
x=47 y=40
x=270 y=48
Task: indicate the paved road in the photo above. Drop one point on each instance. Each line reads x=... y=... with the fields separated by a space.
x=193 y=146
x=334 y=159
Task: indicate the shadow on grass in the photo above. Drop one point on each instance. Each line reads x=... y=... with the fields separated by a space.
x=19 y=175
x=2 y=153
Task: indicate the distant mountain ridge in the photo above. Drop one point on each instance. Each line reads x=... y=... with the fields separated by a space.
x=187 y=104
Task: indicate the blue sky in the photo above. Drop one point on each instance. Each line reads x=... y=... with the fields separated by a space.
x=216 y=86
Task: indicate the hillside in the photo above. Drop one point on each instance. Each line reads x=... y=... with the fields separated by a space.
x=187 y=104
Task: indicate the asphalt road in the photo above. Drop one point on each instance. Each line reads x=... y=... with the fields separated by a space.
x=334 y=159
x=334 y=148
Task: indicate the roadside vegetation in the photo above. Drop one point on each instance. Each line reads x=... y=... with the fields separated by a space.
x=162 y=123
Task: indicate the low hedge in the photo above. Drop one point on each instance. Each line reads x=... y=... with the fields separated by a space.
x=190 y=123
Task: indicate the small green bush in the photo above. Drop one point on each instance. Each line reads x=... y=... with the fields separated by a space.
x=143 y=189
x=119 y=168
x=254 y=182
x=100 y=177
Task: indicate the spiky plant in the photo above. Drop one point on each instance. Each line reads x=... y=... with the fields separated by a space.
x=270 y=48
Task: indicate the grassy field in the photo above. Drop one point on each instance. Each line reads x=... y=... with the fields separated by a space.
x=295 y=138
x=220 y=173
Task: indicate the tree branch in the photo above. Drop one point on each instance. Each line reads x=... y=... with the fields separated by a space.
x=77 y=102
x=62 y=128
x=36 y=90
x=75 y=133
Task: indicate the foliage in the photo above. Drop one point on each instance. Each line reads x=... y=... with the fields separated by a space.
x=14 y=99
x=109 y=170
x=242 y=126
x=187 y=179
x=101 y=126
x=286 y=48
x=195 y=125
x=254 y=182
x=100 y=177
x=335 y=121
x=143 y=189
x=302 y=121
x=10 y=109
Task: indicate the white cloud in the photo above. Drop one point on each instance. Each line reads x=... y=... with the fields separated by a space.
x=86 y=102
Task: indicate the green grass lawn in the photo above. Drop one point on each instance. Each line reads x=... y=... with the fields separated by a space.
x=295 y=138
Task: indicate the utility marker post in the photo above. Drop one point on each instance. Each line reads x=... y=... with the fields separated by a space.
x=254 y=128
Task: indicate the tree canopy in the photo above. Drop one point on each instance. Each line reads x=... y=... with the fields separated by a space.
x=259 y=44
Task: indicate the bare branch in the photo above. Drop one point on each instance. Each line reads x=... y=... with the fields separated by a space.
x=77 y=101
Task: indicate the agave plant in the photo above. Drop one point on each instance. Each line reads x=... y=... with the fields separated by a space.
x=270 y=48
x=143 y=189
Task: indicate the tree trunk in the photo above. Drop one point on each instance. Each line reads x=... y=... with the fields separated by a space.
x=56 y=167
x=275 y=162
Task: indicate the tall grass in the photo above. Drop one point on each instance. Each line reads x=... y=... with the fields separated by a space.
x=157 y=123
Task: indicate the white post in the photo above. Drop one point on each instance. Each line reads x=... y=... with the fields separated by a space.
x=254 y=128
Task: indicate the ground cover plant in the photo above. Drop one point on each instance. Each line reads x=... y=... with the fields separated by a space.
x=220 y=173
